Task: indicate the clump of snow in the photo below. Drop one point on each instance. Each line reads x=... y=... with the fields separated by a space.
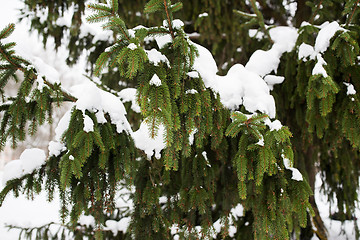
x=350 y=89
x=322 y=43
x=118 y=226
x=327 y=31
x=93 y=99
x=191 y=91
x=272 y=80
x=296 y=175
x=235 y=213
x=30 y=160
x=205 y=14
x=274 y=126
x=193 y=74
x=177 y=24
x=156 y=57
x=305 y=51
x=239 y=87
x=192 y=135
x=88 y=124
x=155 y=80
x=55 y=148
x=264 y=62
x=256 y=33
x=132 y=46
x=319 y=67
x=44 y=70
x=149 y=145
x=161 y=41
x=88 y=221
x=260 y=142
x=129 y=95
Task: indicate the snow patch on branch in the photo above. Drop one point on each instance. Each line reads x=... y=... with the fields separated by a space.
x=149 y=145
x=155 y=80
x=29 y=161
x=264 y=62
x=239 y=87
x=156 y=57
x=296 y=175
x=93 y=99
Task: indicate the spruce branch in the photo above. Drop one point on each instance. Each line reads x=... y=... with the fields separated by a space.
x=315 y=12
x=352 y=14
x=260 y=18
x=169 y=19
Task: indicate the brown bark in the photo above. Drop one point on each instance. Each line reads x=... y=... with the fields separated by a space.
x=320 y=231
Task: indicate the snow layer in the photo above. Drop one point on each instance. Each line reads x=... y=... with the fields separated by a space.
x=264 y=62
x=93 y=99
x=319 y=66
x=239 y=87
x=156 y=57
x=296 y=175
x=30 y=160
x=129 y=95
x=327 y=31
x=155 y=80
x=149 y=145
x=350 y=89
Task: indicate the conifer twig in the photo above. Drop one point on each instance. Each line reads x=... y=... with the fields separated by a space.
x=352 y=14
x=314 y=14
x=261 y=19
x=169 y=20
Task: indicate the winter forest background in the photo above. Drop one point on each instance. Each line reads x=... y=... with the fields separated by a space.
x=210 y=119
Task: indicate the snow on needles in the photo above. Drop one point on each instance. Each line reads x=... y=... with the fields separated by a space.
x=93 y=99
x=239 y=87
x=264 y=62
x=30 y=160
x=149 y=145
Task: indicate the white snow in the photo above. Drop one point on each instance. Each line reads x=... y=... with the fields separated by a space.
x=149 y=145
x=327 y=31
x=30 y=160
x=156 y=57
x=305 y=51
x=129 y=95
x=93 y=99
x=193 y=74
x=88 y=221
x=239 y=87
x=264 y=62
x=177 y=24
x=273 y=125
x=319 y=67
x=205 y=14
x=132 y=46
x=272 y=80
x=296 y=175
x=350 y=89
x=118 y=226
x=155 y=80
x=88 y=124
x=191 y=91
x=163 y=40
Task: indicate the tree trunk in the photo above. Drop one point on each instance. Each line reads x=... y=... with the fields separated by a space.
x=311 y=170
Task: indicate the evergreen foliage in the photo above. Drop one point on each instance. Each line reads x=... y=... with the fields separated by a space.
x=234 y=158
